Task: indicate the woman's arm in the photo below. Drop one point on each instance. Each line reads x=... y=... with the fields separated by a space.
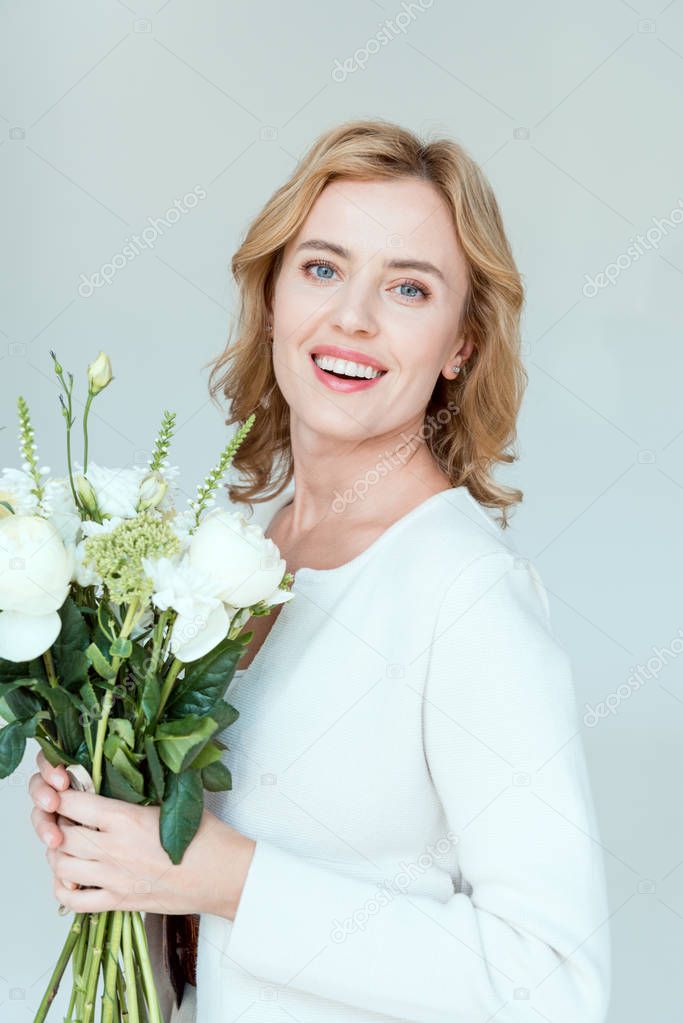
x=503 y=746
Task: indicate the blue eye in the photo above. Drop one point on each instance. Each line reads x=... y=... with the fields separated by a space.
x=306 y=269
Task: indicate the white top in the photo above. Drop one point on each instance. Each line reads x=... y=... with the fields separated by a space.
x=408 y=759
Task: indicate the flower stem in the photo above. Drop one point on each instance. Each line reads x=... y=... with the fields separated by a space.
x=146 y=968
x=168 y=685
x=53 y=985
x=50 y=668
x=121 y=997
x=127 y=942
x=94 y=960
x=108 y=700
x=78 y=963
x=111 y=967
x=85 y=431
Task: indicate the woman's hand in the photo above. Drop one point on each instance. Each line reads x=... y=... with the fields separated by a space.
x=123 y=861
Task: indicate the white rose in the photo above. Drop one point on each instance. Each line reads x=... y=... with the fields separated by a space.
x=246 y=563
x=35 y=574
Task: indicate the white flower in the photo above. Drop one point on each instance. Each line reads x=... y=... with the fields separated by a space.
x=245 y=563
x=203 y=620
x=35 y=575
x=61 y=510
x=15 y=488
x=99 y=373
x=117 y=490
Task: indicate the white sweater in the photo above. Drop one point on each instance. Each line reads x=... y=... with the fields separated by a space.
x=409 y=761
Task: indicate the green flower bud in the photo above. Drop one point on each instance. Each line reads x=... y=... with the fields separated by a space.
x=86 y=493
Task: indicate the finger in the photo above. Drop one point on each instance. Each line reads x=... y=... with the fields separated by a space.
x=73 y=871
x=88 y=808
x=42 y=794
x=82 y=841
x=86 y=900
x=46 y=828
x=55 y=776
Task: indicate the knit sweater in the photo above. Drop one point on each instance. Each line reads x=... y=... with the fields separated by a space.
x=408 y=760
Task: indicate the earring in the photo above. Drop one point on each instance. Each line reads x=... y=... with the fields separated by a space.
x=456 y=368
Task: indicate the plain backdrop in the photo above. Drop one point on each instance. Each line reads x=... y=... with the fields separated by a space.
x=110 y=111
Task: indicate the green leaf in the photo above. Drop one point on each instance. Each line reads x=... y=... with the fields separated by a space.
x=208 y=755
x=54 y=756
x=12 y=746
x=7 y=505
x=117 y=787
x=124 y=728
x=216 y=777
x=179 y=742
x=102 y=666
x=122 y=648
x=205 y=680
x=181 y=812
x=70 y=729
x=224 y=714
x=68 y=651
x=23 y=703
x=156 y=771
x=151 y=697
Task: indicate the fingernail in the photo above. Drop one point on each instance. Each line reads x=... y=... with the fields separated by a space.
x=46 y=837
x=45 y=801
x=57 y=778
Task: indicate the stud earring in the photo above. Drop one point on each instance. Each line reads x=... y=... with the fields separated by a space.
x=456 y=368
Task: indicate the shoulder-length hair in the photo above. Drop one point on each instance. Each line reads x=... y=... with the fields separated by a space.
x=486 y=394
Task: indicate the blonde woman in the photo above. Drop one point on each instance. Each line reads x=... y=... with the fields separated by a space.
x=411 y=833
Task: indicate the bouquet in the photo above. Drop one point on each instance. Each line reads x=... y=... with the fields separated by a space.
x=121 y=625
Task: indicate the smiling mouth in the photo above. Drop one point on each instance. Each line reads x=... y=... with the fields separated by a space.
x=366 y=372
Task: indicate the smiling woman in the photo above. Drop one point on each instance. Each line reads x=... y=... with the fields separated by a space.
x=409 y=761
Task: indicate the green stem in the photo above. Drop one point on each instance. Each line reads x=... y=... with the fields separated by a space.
x=111 y=967
x=129 y=967
x=50 y=668
x=121 y=997
x=94 y=967
x=85 y=968
x=85 y=431
x=108 y=701
x=168 y=685
x=58 y=972
x=77 y=964
x=151 y=996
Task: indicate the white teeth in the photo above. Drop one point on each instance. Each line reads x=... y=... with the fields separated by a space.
x=348 y=369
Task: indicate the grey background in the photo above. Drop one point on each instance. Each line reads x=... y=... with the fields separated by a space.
x=110 y=111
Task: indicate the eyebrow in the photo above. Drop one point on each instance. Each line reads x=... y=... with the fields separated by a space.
x=395 y=264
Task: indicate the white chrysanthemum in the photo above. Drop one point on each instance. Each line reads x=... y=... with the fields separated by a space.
x=15 y=488
x=203 y=620
x=116 y=490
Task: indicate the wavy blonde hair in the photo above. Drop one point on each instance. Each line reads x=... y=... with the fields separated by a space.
x=488 y=391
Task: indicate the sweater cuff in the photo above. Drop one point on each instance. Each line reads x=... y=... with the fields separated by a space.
x=286 y=914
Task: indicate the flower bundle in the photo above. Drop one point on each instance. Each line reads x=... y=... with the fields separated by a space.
x=121 y=625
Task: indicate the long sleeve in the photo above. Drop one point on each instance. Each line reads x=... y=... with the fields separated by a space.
x=529 y=938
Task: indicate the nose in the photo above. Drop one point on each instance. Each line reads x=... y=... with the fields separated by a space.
x=352 y=311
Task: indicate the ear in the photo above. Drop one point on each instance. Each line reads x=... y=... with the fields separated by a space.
x=458 y=357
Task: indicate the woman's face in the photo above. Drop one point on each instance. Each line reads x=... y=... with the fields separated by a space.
x=337 y=288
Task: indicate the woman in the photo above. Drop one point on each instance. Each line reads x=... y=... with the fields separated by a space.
x=411 y=833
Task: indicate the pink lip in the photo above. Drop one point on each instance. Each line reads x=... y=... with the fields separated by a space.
x=350 y=354
x=343 y=384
